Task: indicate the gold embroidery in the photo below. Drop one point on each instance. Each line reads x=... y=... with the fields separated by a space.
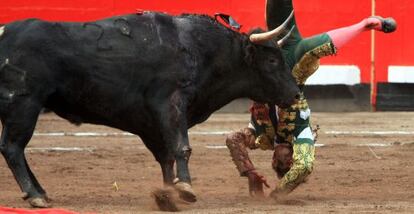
x=309 y=63
x=286 y=126
x=264 y=142
x=326 y=49
x=287 y=120
x=303 y=158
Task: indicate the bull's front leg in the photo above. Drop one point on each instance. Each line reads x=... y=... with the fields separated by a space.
x=175 y=136
x=182 y=157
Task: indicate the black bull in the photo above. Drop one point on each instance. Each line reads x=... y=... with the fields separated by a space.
x=153 y=75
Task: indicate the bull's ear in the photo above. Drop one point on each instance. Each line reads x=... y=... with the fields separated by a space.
x=249 y=54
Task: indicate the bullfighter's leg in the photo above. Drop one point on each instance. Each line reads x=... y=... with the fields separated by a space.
x=343 y=35
x=18 y=127
x=296 y=47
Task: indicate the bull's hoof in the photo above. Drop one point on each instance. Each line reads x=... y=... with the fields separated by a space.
x=185 y=192
x=48 y=200
x=39 y=202
x=165 y=200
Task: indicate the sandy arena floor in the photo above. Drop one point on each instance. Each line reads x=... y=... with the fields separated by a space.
x=364 y=163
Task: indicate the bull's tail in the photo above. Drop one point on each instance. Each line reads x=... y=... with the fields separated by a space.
x=12 y=80
x=2 y=29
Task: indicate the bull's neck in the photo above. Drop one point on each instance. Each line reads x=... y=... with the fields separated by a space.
x=221 y=85
x=234 y=82
x=217 y=94
x=234 y=87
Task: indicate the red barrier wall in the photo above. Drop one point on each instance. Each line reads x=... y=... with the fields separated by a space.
x=397 y=49
x=313 y=16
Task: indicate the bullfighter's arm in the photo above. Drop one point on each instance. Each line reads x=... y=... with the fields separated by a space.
x=237 y=143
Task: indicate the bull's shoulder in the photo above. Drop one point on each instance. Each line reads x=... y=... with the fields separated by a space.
x=135 y=20
x=201 y=18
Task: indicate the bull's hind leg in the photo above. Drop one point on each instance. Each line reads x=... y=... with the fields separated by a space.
x=18 y=127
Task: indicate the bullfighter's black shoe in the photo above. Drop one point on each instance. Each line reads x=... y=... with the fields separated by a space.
x=388 y=25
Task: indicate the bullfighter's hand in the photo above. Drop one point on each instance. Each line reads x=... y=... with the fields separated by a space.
x=256 y=182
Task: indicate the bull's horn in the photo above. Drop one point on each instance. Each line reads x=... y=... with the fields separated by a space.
x=282 y=41
x=266 y=36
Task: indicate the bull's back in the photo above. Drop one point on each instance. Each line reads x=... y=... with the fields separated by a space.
x=109 y=70
x=95 y=71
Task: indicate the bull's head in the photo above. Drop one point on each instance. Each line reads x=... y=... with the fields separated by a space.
x=275 y=82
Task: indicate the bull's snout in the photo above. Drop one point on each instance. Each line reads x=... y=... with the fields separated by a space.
x=297 y=97
x=291 y=101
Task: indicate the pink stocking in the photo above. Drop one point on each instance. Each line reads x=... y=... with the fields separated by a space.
x=341 y=36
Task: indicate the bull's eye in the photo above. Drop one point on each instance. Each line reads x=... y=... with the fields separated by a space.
x=273 y=61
